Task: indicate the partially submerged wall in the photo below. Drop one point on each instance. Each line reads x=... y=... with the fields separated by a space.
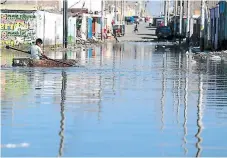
x=23 y=27
x=18 y=27
x=49 y=27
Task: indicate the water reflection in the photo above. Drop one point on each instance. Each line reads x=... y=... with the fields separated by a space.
x=200 y=116
x=163 y=91
x=129 y=97
x=186 y=107
x=179 y=87
x=62 y=112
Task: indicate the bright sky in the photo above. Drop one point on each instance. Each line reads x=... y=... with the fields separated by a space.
x=154 y=6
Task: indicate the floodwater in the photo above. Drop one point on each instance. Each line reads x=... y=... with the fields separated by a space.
x=127 y=99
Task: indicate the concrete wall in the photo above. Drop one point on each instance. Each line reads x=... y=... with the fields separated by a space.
x=31 y=5
x=49 y=27
x=84 y=27
x=18 y=27
x=23 y=27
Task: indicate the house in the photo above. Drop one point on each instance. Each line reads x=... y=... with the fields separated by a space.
x=90 y=21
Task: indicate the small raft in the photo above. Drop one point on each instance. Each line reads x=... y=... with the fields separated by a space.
x=27 y=62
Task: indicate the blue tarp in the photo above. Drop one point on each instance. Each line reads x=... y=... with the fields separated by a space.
x=89 y=33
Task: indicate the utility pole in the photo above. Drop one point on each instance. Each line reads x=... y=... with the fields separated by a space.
x=123 y=10
x=208 y=25
x=102 y=19
x=115 y=11
x=65 y=23
x=181 y=17
x=165 y=6
x=188 y=20
x=175 y=18
x=191 y=20
x=168 y=6
x=202 y=25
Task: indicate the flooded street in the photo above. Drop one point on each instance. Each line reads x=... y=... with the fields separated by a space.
x=126 y=99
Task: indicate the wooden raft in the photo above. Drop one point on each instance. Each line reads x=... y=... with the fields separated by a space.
x=27 y=62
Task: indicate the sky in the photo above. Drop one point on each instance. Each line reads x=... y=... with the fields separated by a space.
x=154 y=6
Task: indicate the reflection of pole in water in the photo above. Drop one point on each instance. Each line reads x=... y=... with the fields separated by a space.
x=135 y=46
x=142 y=55
x=174 y=93
x=113 y=87
x=199 y=120
x=100 y=84
x=185 y=109
x=163 y=91
x=174 y=96
x=178 y=88
x=62 y=121
x=121 y=54
x=101 y=55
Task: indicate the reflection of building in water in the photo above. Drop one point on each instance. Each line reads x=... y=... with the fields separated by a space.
x=14 y=84
x=109 y=50
x=60 y=54
x=137 y=52
x=3 y=83
x=7 y=56
x=83 y=89
x=83 y=56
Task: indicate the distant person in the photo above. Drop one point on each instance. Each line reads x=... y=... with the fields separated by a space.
x=113 y=22
x=136 y=28
x=105 y=33
x=128 y=20
x=36 y=51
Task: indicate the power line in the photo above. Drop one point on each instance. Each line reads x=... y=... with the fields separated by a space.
x=4 y=2
x=75 y=3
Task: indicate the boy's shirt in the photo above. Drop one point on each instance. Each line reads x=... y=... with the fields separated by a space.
x=36 y=52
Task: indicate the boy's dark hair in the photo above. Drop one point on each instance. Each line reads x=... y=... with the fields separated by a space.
x=38 y=41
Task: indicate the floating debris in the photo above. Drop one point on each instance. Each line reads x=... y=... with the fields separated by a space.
x=21 y=145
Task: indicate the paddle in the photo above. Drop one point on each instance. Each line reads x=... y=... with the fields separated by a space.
x=8 y=47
